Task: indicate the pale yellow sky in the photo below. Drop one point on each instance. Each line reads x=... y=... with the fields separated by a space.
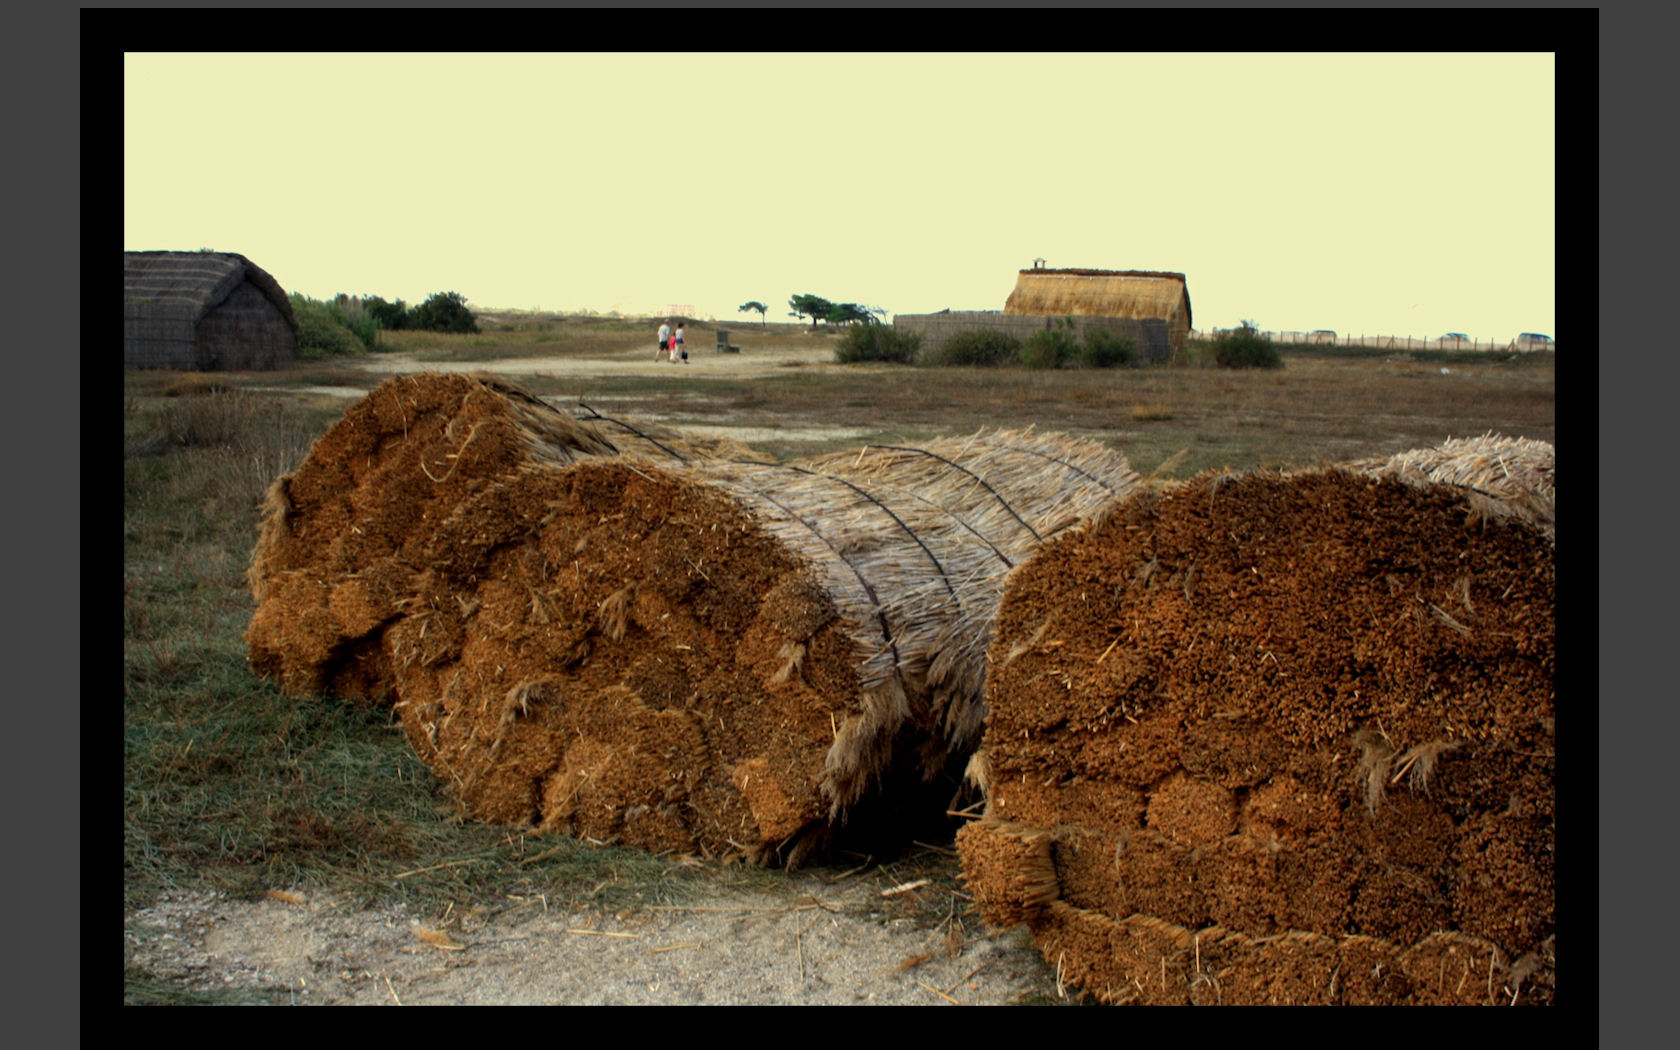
x=1406 y=194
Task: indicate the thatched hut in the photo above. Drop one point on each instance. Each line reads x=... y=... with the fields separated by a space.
x=204 y=311
x=1139 y=295
x=1280 y=739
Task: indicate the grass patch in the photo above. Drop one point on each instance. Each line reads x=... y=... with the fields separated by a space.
x=1152 y=412
x=143 y=988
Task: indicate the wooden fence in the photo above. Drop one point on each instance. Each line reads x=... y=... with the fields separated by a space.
x=1381 y=342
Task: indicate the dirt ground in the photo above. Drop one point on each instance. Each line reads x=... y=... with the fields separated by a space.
x=744 y=364
x=811 y=942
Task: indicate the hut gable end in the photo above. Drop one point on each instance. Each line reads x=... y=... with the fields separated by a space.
x=204 y=311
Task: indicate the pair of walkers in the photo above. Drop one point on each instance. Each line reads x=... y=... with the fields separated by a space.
x=671 y=346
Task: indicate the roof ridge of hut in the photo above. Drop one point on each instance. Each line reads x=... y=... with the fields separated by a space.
x=1081 y=271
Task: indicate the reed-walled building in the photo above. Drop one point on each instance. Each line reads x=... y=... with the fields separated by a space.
x=204 y=311
x=1152 y=308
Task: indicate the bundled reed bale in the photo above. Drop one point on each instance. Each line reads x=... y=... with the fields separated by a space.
x=1499 y=475
x=1277 y=728
x=1143 y=960
x=725 y=657
x=333 y=560
x=989 y=501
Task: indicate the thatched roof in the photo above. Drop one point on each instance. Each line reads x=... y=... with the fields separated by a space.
x=204 y=310
x=1137 y=294
x=184 y=286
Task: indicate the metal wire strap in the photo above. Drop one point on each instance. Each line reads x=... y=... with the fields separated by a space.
x=646 y=437
x=976 y=477
x=907 y=530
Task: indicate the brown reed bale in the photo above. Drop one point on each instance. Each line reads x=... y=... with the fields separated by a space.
x=1281 y=739
x=333 y=561
x=725 y=657
x=1499 y=475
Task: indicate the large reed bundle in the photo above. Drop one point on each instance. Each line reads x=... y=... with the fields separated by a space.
x=1252 y=736
x=726 y=656
x=333 y=558
x=598 y=627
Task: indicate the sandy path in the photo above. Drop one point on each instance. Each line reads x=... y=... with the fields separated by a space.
x=747 y=363
x=813 y=943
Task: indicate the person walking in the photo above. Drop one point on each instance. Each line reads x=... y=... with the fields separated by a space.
x=678 y=349
x=664 y=340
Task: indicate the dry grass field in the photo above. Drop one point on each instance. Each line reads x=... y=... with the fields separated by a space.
x=231 y=788
x=1324 y=405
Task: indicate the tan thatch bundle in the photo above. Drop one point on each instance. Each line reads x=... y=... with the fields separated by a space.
x=1272 y=725
x=1500 y=475
x=979 y=505
x=728 y=656
x=600 y=627
x=333 y=558
x=1136 y=294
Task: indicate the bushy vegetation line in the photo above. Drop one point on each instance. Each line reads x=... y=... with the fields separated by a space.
x=349 y=325
x=1060 y=346
x=1244 y=347
x=978 y=346
x=876 y=342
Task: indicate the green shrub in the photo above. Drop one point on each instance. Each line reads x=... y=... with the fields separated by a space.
x=1050 y=348
x=1104 y=349
x=365 y=329
x=1245 y=347
x=352 y=315
x=980 y=346
x=392 y=317
x=320 y=333
x=877 y=342
x=444 y=312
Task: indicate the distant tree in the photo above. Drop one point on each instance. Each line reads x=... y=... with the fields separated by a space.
x=445 y=312
x=392 y=317
x=754 y=305
x=848 y=314
x=813 y=306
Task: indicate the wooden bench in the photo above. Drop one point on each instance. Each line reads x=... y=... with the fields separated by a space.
x=723 y=344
